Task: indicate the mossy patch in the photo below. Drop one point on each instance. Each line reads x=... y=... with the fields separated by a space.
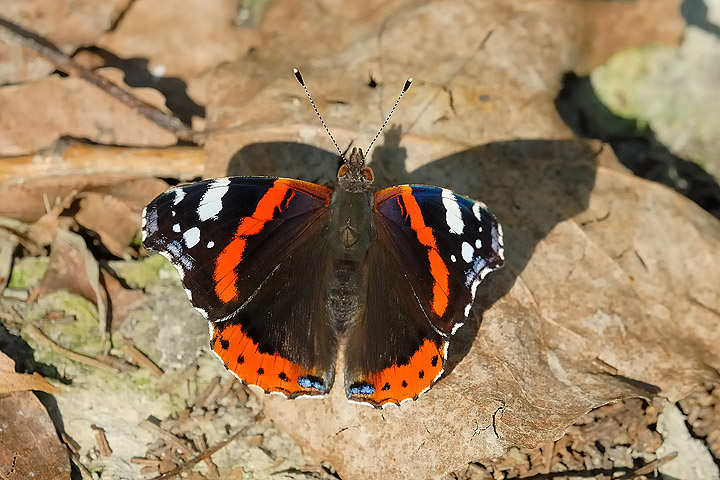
x=27 y=272
x=149 y=271
x=77 y=331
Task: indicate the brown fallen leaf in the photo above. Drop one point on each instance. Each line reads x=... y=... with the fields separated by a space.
x=29 y=444
x=600 y=265
x=8 y=243
x=73 y=269
x=36 y=114
x=67 y=24
x=480 y=119
x=11 y=381
x=121 y=300
x=30 y=199
x=18 y=382
x=113 y=220
x=158 y=34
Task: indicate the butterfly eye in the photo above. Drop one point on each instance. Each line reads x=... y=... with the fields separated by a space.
x=367 y=173
x=343 y=171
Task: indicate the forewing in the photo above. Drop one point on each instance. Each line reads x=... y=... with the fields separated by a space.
x=241 y=245
x=446 y=242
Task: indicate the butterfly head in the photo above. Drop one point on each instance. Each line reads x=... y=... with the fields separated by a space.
x=353 y=175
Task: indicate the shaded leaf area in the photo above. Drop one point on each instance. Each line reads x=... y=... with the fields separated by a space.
x=29 y=444
x=609 y=292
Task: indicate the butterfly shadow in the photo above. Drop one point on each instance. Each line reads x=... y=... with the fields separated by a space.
x=530 y=186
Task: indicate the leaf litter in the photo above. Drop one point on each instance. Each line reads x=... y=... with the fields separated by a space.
x=544 y=379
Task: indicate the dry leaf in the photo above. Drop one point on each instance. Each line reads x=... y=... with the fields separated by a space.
x=73 y=269
x=35 y=115
x=11 y=381
x=30 y=199
x=565 y=302
x=483 y=72
x=121 y=300
x=112 y=219
x=68 y=24
x=29 y=445
x=159 y=33
x=573 y=291
x=8 y=244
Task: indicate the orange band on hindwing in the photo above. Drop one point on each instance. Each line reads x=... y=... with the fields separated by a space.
x=271 y=372
x=401 y=382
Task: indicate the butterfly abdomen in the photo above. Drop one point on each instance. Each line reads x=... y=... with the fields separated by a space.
x=350 y=238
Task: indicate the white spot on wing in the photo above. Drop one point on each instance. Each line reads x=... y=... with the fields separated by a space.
x=467 y=310
x=478 y=243
x=453 y=217
x=176 y=228
x=192 y=237
x=458 y=325
x=210 y=244
x=179 y=195
x=467 y=252
x=476 y=211
x=453 y=258
x=211 y=201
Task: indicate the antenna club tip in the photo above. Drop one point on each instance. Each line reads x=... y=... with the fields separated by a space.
x=408 y=82
x=299 y=77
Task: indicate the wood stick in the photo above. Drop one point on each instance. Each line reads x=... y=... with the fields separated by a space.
x=40 y=337
x=176 y=471
x=41 y=47
x=141 y=359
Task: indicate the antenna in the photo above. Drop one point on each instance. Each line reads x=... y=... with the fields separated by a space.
x=298 y=75
x=408 y=82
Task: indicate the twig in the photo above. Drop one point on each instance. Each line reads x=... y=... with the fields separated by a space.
x=62 y=62
x=201 y=457
x=40 y=337
x=170 y=439
x=650 y=467
x=202 y=398
x=102 y=441
x=141 y=359
x=201 y=446
x=73 y=447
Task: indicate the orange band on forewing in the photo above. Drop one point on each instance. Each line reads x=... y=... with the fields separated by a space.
x=225 y=275
x=438 y=269
x=272 y=373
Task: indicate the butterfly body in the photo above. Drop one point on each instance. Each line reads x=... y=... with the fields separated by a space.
x=292 y=276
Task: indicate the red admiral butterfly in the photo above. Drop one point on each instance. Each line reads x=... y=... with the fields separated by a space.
x=290 y=274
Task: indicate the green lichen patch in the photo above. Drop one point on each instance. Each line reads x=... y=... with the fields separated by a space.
x=27 y=272
x=78 y=330
x=153 y=270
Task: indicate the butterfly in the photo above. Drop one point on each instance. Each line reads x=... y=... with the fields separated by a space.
x=293 y=276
